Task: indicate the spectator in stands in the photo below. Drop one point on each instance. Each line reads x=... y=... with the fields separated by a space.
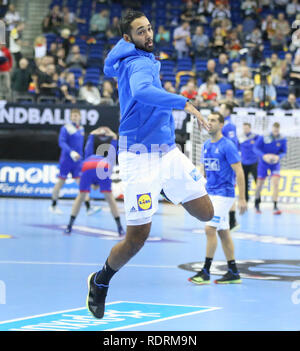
x=60 y=60
x=200 y=43
x=70 y=20
x=90 y=94
x=52 y=22
x=205 y=10
x=16 y=43
x=266 y=4
x=276 y=69
x=47 y=81
x=292 y=8
x=290 y=103
x=21 y=78
x=182 y=40
x=68 y=89
x=99 y=23
x=75 y=59
x=268 y=26
x=65 y=41
x=11 y=19
x=226 y=27
x=190 y=91
x=52 y=49
x=168 y=86
x=210 y=71
x=240 y=33
x=189 y=13
x=282 y=25
x=222 y=68
x=209 y=93
x=219 y=13
x=286 y=66
x=294 y=77
x=113 y=29
x=6 y=63
x=234 y=72
x=244 y=81
x=107 y=93
x=254 y=44
x=40 y=46
x=3 y=8
x=162 y=36
x=233 y=45
x=265 y=95
x=249 y=8
x=217 y=44
x=247 y=100
x=278 y=41
x=229 y=98
x=281 y=4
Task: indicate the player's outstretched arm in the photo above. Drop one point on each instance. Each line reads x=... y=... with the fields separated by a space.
x=191 y=109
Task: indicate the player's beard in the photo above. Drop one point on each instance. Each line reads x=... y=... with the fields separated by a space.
x=145 y=47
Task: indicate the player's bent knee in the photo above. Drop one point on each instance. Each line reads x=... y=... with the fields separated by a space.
x=200 y=208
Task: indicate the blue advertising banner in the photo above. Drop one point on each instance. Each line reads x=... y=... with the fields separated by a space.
x=20 y=179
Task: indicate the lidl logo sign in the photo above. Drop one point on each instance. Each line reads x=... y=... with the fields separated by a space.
x=119 y=315
x=144 y=202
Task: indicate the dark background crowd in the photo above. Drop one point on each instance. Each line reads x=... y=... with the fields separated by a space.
x=241 y=52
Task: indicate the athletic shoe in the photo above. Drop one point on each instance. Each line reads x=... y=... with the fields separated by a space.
x=229 y=278
x=234 y=226
x=68 y=230
x=257 y=209
x=276 y=211
x=56 y=210
x=201 y=278
x=95 y=301
x=121 y=230
x=93 y=210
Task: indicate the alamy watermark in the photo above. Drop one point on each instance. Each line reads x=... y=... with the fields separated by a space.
x=2 y=293
x=296 y=293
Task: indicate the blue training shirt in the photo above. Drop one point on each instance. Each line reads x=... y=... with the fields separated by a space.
x=229 y=131
x=246 y=144
x=270 y=145
x=217 y=159
x=146 y=107
x=71 y=138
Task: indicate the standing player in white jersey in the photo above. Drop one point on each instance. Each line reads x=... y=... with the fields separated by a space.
x=149 y=160
x=221 y=164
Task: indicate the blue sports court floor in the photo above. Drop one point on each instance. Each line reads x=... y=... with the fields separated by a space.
x=43 y=272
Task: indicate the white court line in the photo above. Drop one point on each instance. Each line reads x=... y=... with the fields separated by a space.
x=82 y=264
x=164 y=319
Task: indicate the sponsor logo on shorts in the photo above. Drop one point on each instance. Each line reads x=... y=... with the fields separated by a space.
x=216 y=219
x=195 y=174
x=144 y=202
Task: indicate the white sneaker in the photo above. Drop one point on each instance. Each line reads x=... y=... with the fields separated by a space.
x=56 y=210
x=93 y=210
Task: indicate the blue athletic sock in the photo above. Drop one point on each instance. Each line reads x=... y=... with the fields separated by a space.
x=104 y=276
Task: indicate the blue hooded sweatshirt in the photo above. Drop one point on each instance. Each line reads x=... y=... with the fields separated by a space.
x=146 y=108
